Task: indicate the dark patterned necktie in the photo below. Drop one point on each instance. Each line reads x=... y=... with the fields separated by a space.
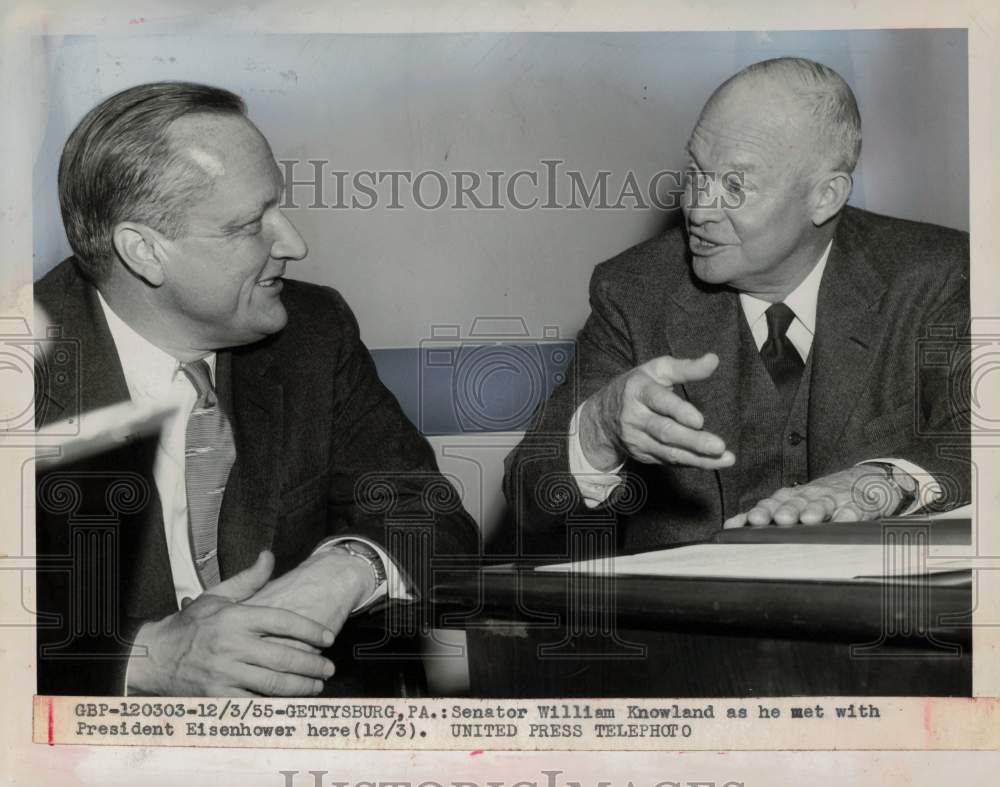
x=209 y=453
x=782 y=360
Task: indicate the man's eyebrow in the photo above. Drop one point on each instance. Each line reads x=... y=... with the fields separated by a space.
x=251 y=214
x=745 y=166
x=741 y=165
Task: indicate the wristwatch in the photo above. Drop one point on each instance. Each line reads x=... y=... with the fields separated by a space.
x=905 y=484
x=362 y=550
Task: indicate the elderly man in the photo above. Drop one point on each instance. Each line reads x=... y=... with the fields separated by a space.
x=760 y=364
x=258 y=542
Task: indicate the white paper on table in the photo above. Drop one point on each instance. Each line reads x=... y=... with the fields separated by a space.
x=964 y=512
x=777 y=561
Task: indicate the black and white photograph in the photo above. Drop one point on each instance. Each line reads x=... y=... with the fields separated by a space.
x=618 y=387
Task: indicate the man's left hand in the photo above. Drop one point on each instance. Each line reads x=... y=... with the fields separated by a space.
x=325 y=587
x=852 y=495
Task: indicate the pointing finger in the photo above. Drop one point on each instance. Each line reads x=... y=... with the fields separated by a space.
x=670 y=371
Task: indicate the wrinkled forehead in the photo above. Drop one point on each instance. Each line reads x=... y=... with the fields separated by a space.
x=755 y=125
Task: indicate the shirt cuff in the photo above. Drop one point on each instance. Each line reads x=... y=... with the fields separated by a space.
x=928 y=489
x=595 y=486
x=394 y=588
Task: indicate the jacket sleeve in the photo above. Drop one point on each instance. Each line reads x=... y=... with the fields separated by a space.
x=935 y=430
x=385 y=485
x=540 y=491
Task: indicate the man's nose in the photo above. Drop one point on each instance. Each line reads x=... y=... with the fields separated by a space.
x=702 y=200
x=288 y=244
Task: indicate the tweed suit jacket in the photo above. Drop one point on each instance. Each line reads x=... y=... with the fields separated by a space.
x=322 y=447
x=892 y=290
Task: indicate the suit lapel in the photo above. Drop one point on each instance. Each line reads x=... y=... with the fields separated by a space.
x=101 y=382
x=849 y=329
x=250 y=507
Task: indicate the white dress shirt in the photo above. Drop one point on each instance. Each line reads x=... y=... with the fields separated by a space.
x=595 y=485
x=153 y=377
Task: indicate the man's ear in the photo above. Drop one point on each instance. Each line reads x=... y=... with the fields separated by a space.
x=829 y=195
x=142 y=249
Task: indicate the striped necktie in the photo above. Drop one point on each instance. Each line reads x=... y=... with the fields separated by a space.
x=209 y=453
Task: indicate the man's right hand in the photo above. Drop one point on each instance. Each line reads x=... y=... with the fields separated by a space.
x=639 y=415
x=216 y=646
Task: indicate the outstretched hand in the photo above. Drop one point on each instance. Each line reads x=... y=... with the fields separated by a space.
x=639 y=415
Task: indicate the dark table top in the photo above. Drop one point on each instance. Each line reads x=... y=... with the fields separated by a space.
x=848 y=610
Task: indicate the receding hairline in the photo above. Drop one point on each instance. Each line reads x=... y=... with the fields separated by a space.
x=119 y=165
x=821 y=99
x=789 y=110
x=206 y=144
x=202 y=146
x=196 y=135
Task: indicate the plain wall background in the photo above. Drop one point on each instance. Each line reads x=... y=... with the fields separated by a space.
x=610 y=101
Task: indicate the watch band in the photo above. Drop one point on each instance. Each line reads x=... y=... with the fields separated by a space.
x=362 y=550
x=907 y=497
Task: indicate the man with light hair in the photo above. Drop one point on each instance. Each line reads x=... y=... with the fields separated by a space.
x=759 y=365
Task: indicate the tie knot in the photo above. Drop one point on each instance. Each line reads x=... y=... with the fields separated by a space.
x=201 y=378
x=779 y=317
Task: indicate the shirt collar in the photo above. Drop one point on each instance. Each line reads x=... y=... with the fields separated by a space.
x=802 y=300
x=149 y=370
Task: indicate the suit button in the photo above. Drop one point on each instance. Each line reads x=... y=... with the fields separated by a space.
x=795 y=438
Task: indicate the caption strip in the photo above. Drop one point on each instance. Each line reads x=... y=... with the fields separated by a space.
x=523 y=724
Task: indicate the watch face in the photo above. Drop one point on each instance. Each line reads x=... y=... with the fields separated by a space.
x=906 y=485
x=905 y=481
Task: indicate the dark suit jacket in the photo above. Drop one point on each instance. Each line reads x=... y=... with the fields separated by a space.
x=885 y=381
x=322 y=447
